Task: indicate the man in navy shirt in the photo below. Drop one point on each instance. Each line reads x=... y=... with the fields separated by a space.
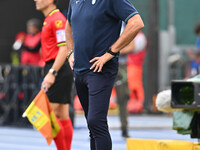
x=92 y=31
x=93 y=45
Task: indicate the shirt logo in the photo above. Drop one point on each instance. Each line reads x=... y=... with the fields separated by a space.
x=59 y=23
x=60 y=35
x=77 y=1
x=93 y=2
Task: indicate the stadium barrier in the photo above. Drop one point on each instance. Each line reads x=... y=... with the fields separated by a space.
x=160 y=144
x=18 y=86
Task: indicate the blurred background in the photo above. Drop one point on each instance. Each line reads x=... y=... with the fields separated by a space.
x=169 y=26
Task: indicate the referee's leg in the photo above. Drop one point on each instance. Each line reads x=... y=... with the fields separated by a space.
x=64 y=138
x=60 y=95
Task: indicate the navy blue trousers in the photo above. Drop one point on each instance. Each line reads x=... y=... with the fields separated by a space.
x=94 y=90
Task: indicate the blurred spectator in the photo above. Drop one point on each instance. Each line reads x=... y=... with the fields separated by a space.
x=131 y=56
x=193 y=67
x=191 y=53
x=136 y=54
x=134 y=49
x=15 y=55
x=29 y=44
x=197 y=31
x=122 y=91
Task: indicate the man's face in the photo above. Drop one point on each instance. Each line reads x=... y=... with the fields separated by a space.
x=42 y=4
x=198 y=59
x=32 y=29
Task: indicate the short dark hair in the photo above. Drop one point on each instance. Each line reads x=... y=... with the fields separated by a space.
x=197 y=54
x=35 y=22
x=197 y=28
x=55 y=2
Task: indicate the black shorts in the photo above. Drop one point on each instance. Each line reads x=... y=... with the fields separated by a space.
x=60 y=91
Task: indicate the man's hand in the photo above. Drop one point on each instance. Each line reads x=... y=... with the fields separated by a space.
x=100 y=61
x=48 y=81
x=71 y=61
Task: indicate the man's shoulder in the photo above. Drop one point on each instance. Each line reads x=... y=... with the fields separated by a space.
x=58 y=15
x=58 y=20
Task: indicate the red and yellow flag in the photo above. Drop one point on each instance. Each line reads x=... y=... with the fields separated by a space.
x=41 y=116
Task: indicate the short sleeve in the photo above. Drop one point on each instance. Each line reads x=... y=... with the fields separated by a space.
x=122 y=27
x=123 y=9
x=59 y=30
x=69 y=13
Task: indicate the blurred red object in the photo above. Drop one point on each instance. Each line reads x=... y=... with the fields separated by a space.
x=19 y=39
x=113 y=98
x=20 y=36
x=2 y=95
x=21 y=95
x=77 y=104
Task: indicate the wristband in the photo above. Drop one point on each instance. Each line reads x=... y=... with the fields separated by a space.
x=69 y=54
x=112 y=53
x=53 y=71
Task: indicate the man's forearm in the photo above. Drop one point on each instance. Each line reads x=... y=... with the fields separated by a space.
x=64 y=50
x=60 y=58
x=59 y=61
x=69 y=39
x=134 y=25
x=128 y=49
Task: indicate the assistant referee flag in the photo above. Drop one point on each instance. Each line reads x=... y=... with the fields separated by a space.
x=41 y=116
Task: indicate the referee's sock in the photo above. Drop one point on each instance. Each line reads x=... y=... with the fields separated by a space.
x=59 y=139
x=68 y=132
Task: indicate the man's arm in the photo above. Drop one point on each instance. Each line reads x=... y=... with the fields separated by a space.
x=129 y=48
x=59 y=61
x=60 y=58
x=138 y=44
x=70 y=43
x=134 y=25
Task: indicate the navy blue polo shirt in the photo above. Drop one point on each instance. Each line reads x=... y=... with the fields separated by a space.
x=96 y=26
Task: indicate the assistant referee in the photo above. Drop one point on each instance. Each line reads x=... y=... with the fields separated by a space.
x=58 y=84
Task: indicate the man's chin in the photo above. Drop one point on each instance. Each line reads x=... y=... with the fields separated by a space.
x=38 y=8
